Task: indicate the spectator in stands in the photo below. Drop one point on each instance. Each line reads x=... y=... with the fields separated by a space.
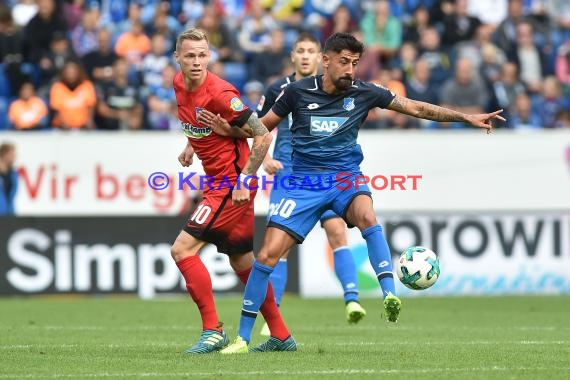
x=40 y=31
x=506 y=33
x=119 y=104
x=73 y=12
x=459 y=26
x=418 y=87
x=465 y=92
x=505 y=91
x=419 y=23
x=162 y=106
x=99 y=64
x=133 y=45
x=473 y=49
x=340 y=22
x=28 y=111
x=528 y=58
x=489 y=12
x=122 y=25
x=72 y=99
x=252 y=91
x=522 y=115
x=268 y=66
x=11 y=53
x=219 y=35
x=154 y=62
x=24 y=11
x=8 y=179
x=382 y=32
x=52 y=61
x=163 y=23
x=191 y=12
x=562 y=66
x=255 y=34
x=438 y=60
x=550 y=103
x=84 y=35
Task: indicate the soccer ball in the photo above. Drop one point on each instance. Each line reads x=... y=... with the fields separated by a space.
x=418 y=268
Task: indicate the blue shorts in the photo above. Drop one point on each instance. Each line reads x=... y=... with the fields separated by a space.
x=305 y=198
x=278 y=192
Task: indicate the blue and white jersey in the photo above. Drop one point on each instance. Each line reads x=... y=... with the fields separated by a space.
x=325 y=126
x=283 y=149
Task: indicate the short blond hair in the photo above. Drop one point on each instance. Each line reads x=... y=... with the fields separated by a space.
x=194 y=34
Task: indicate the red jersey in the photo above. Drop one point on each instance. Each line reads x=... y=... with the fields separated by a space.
x=221 y=156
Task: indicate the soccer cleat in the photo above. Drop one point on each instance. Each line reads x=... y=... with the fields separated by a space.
x=265 y=330
x=274 y=344
x=210 y=341
x=354 y=312
x=238 y=346
x=392 y=305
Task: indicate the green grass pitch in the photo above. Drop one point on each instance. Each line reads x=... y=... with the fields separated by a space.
x=436 y=338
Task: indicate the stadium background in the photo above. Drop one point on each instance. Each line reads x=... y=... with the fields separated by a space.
x=495 y=208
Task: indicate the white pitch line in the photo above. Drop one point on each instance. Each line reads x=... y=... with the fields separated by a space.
x=285 y=373
x=175 y=344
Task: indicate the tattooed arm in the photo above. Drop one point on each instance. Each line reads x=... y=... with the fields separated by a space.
x=261 y=141
x=429 y=111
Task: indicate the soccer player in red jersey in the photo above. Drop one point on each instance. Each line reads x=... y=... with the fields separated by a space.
x=225 y=217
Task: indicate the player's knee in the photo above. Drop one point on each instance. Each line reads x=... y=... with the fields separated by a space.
x=178 y=252
x=367 y=219
x=336 y=236
x=265 y=257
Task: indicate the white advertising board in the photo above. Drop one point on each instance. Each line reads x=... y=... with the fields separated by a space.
x=490 y=254
x=94 y=173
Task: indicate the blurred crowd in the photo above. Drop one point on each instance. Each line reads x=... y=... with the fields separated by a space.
x=107 y=64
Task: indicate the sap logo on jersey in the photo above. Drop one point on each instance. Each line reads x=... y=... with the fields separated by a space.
x=326 y=126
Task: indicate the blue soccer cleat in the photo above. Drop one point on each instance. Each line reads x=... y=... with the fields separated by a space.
x=210 y=341
x=274 y=344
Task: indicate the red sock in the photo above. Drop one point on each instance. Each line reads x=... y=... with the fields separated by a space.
x=199 y=285
x=269 y=310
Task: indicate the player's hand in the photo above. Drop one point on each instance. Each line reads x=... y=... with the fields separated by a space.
x=185 y=158
x=272 y=166
x=485 y=120
x=240 y=196
x=218 y=124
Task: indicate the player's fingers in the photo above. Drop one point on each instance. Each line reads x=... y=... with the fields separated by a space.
x=500 y=118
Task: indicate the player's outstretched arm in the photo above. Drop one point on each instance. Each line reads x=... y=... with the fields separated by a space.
x=430 y=111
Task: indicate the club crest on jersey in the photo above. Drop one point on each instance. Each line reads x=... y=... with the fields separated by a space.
x=236 y=104
x=326 y=126
x=348 y=104
x=198 y=110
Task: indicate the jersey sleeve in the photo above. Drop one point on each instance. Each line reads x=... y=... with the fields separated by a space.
x=382 y=96
x=285 y=102
x=266 y=102
x=230 y=107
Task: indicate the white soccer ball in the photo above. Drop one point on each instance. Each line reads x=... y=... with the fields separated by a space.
x=418 y=268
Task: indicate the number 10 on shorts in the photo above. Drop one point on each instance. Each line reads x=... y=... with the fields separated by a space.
x=284 y=208
x=201 y=214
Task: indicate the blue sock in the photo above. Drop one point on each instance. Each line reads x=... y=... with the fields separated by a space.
x=253 y=297
x=380 y=258
x=345 y=270
x=279 y=280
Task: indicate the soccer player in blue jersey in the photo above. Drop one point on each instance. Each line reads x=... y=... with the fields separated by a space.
x=306 y=57
x=327 y=111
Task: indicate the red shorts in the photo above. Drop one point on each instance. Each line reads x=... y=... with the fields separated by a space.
x=216 y=220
